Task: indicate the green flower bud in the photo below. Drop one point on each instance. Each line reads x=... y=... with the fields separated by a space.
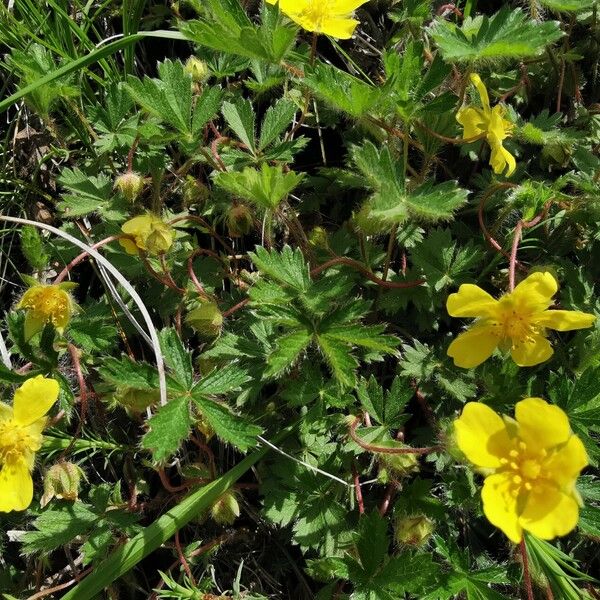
x=198 y=69
x=239 y=220
x=194 y=191
x=136 y=401
x=130 y=184
x=206 y=320
x=413 y=531
x=61 y=481
x=394 y=466
x=318 y=238
x=226 y=509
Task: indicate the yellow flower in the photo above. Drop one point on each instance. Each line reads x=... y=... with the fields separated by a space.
x=488 y=122
x=21 y=429
x=517 y=322
x=147 y=233
x=331 y=17
x=531 y=465
x=47 y=304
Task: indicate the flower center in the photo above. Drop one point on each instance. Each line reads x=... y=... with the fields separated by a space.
x=525 y=466
x=316 y=12
x=16 y=441
x=513 y=323
x=49 y=304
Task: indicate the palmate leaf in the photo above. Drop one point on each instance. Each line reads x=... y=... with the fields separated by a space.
x=386 y=407
x=266 y=187
x=168 y=428
x=507 y=34
x=287 y=267
x=86 y=193
x=392 y=203
x=241 y=118
x=341 y=90
x=289 y=347
x=170 y=99
x=277 y=118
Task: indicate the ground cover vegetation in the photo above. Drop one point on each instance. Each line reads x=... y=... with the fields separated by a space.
x=298 y=299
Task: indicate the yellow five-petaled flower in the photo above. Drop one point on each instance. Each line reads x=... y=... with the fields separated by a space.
x=532 y=463
x=21 y=429
x=489 y=123
x=147 y=233
x=331 y=17
x=517 y=322
x=47 y=304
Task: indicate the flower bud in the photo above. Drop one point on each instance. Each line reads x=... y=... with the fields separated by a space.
x=318 y=238
x=413 y=531
x=130 y=184
x=239 y=220
x=136 y=401
x=148 y=233
x=194 y=192
x=394 y=466
x=226 y=509
x=61 y=481
x=206 y=320
x=198 y=69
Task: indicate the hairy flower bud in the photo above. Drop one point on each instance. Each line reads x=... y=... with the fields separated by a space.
x=206 y=320
x=130 y=184
x=413 y=531
x=393 y=466
x=61 y=481
x=239 y=220
x=226 y=509
x=194 y=192
x=198 y=69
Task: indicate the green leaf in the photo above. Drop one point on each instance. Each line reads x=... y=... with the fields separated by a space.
x=289 y=347
x=372 y=542
x=443 y=262
x=266 y=187
x=341 y=90
x=126 y=372
x=391 y=203
x=386 y=407
x=242 y=120
x=58 y=525
x=168 y=428
x=569 y=5
x=277 y=118
x=366 y=336
x=510 y=33
x=229 y=427
x=87 y=193
x=177 y=357
x=287 y=267
x=93 y=330
x=339 y=358
x=222 y=381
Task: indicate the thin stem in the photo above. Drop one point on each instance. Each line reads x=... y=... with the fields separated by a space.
x=358 y=490
x=235 y=308
x=313 y=49
x=513 y=256
x=390 y=492
x=526 y=573
x=384 y=449
x=349 y=262
x=63 y=274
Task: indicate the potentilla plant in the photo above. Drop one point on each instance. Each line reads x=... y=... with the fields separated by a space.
x=310 y=300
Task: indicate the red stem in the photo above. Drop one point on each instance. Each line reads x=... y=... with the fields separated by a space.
x=62 y=275
x=513 y=256
x=358 y=491
x=184 y=562
x=235 y=308
x=526 y=573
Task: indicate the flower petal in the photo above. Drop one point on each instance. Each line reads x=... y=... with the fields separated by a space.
x=472 y=121
x=565 y=320
x=6 y=412
x=473 y=347
x=16 y=486
x=541 y=424
x=482 y=435
x=500 y=507
x=470 y=301
x=483 y=93
x=501 y=159
x=549 y=512
x=346 y=6
x=341 y=28
x=34 y=399
x=129 y=246
x=536 y=290
x=531 y=352
x=567 y=462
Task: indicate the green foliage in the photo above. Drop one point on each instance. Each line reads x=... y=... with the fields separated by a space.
x=507 y=34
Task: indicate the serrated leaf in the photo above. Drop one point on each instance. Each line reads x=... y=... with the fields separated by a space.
x=87 y=193
x=242 y=120
x=289 y=347
x=339 y=358
x=341 y=90
x=126 y=372
x=510 y=33
x=372 y=542
x=229 y=427
x=266 y=187
x=277 y=118
x=221 y=381
x=168 y=428
x=366 y=336
x=177 y=357
x=287 y=267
